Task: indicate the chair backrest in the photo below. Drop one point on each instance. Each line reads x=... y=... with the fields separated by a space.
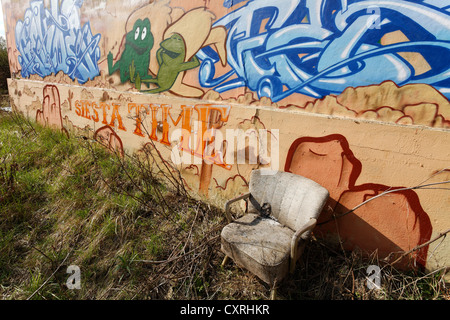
x=294 y=199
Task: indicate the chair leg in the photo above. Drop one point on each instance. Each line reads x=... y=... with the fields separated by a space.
x=225 y=260
x=273 y=293
x=273 y=290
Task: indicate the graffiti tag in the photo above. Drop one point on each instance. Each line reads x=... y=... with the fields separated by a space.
x=322 y=47
x=53 y=40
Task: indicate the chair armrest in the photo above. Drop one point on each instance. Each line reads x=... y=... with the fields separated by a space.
x=296 y=238
x=229 y=202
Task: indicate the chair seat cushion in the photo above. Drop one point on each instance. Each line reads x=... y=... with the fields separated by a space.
x=261 y=245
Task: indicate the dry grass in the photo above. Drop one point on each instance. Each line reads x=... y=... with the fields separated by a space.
x=70 y=202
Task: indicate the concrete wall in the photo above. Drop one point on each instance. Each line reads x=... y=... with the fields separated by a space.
x=352 y=95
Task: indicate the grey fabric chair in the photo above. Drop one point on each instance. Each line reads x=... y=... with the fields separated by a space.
x=282 y=211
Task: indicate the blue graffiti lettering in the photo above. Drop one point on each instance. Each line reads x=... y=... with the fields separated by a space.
x=53 y=40
x=230 y=3
x=322 y=47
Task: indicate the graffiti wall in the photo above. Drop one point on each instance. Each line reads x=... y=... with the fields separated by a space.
x=352 y=94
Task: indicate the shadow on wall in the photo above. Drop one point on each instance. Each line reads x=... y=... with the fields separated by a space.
x=392 y=224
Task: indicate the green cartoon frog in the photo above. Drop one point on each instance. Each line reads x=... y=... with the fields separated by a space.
x=135 y=60
x=171 y=56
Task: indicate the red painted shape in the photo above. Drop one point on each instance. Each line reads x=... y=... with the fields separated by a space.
x=391 y=224
x=110 y=139
x=50 y=115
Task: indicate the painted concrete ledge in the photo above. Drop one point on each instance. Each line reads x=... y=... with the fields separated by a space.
x=354 y=159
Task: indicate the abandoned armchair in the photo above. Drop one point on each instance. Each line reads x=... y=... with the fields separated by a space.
x=282 y=211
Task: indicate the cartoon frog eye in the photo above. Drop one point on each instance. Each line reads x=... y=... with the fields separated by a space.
x=136 y=33
x=144 y=33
